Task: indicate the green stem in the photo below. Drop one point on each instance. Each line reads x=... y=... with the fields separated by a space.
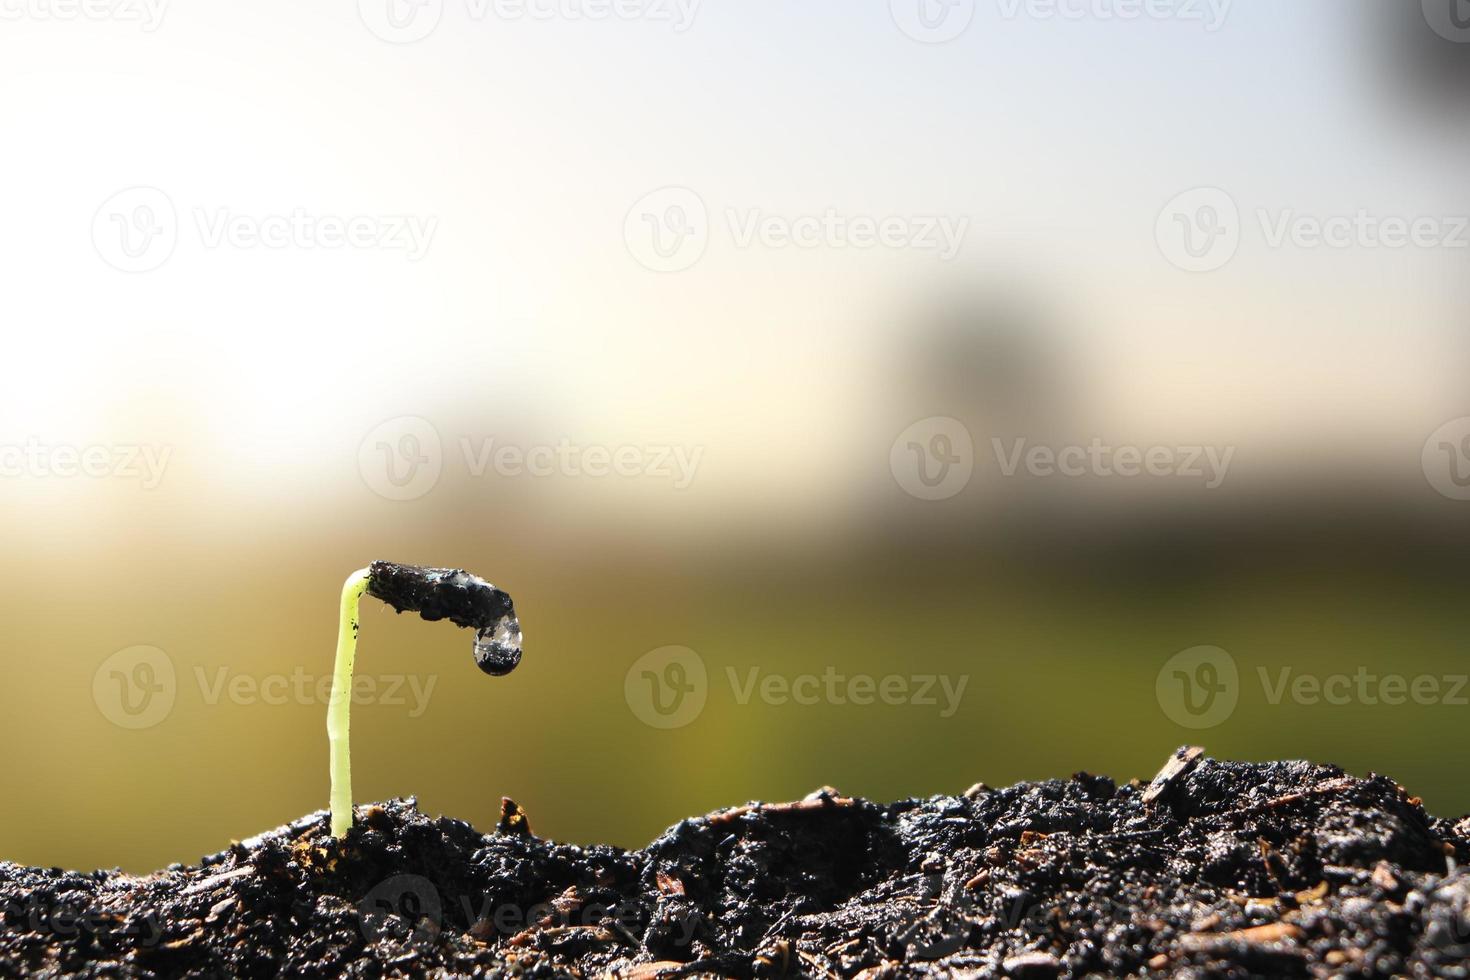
x=339 y=709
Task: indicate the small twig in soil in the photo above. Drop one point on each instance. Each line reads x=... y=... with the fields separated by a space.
x=1184 y=759
x=1328 y=788
x=210 y=884
x=722 y=817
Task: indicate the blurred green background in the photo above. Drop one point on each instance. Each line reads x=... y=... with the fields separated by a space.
x=1061 y=670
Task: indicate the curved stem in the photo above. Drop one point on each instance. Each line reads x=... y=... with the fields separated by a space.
x=339 y=709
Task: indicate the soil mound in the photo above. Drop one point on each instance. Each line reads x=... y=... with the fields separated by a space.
x=1218 y=869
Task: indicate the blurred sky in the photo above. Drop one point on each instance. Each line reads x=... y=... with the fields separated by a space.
x=529 y=140
x=525 y=148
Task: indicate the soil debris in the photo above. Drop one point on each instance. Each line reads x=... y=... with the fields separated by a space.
x=1180 y=763
x=1231 y=869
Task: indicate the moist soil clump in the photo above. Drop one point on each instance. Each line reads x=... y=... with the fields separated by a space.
x=1217 y=869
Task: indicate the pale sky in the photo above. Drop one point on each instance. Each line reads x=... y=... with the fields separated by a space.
x=516 y=146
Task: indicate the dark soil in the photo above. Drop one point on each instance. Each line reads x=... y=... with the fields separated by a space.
x=1220 y=869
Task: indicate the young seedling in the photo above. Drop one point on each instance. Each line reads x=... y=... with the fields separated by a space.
x=434 y=593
